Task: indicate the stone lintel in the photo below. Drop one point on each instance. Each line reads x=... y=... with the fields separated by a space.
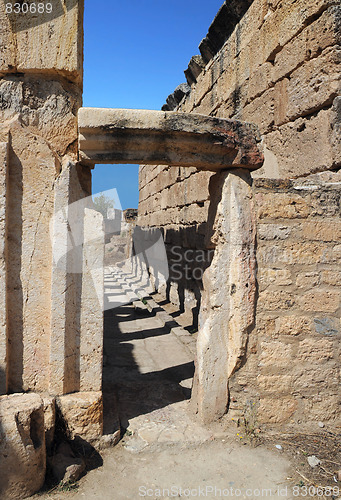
x=163 y=137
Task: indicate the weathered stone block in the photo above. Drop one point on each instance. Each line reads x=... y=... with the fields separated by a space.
x=33 y=165
x=295 y=253
x=331 y=278
x=293 y=325
x=276 y=410
x=312 y=86
x=276 y=300
x=265 y=324
x=22 y=445
x=275 y=354
x=278 y=277
x=283 y=24
x=228 y=304
x=322 y=301
x=194 y=213
x=261 y=111
x=313 y=351
x=260 y=81
x=178 y=139
x=323 y=231
x=279 y=384
x=45 y=42
x=92 y=306
x=305 y=146
x=67 y=235
x=83 y=414
x=196 y=188
x=281 y=206
x=316 y=379
x=274 y=231
x=308 y=280
x=316 y=37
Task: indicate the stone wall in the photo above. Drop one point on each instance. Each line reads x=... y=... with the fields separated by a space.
x=292 y=369
x=278 y=68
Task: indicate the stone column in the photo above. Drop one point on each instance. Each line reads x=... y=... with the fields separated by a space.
x=40 y=93
x=228 y=303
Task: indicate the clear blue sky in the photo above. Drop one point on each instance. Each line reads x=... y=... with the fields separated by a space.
x=134 y=57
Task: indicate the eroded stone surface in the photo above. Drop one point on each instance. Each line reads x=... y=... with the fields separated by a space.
x=44 y=106
x=49 y=419
x=45 y=41
x=83 y=414
x=67 y=234
x=228 y=305
x=22 y=445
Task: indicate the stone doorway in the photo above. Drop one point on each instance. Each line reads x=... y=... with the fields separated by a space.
x=231 y=149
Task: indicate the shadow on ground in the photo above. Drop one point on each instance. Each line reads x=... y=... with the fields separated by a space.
x=139 y=374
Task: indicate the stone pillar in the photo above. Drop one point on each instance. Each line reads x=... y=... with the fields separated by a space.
x=40 y=93
x=3 y=266
x=91 y=321
x=67 y=229
x=228 y=304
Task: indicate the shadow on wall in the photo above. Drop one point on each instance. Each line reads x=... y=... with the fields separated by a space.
x=176 y=269
x=14 y=287
x=190 y=250
x=188 y=258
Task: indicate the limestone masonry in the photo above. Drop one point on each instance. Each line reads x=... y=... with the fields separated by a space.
x=275 y=64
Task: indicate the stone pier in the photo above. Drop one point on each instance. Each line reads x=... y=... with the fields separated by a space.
x=43 y=338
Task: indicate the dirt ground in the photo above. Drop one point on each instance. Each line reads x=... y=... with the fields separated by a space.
x=217 y=467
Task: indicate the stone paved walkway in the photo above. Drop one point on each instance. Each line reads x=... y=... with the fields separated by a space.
x=149 y=367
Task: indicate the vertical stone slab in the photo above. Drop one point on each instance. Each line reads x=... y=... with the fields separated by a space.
x=92 y=306
x=228 y=305
x=60 y=282
x=3 y=266
x=67 y=242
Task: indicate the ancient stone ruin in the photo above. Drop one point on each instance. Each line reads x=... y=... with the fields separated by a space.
x=241 y=166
